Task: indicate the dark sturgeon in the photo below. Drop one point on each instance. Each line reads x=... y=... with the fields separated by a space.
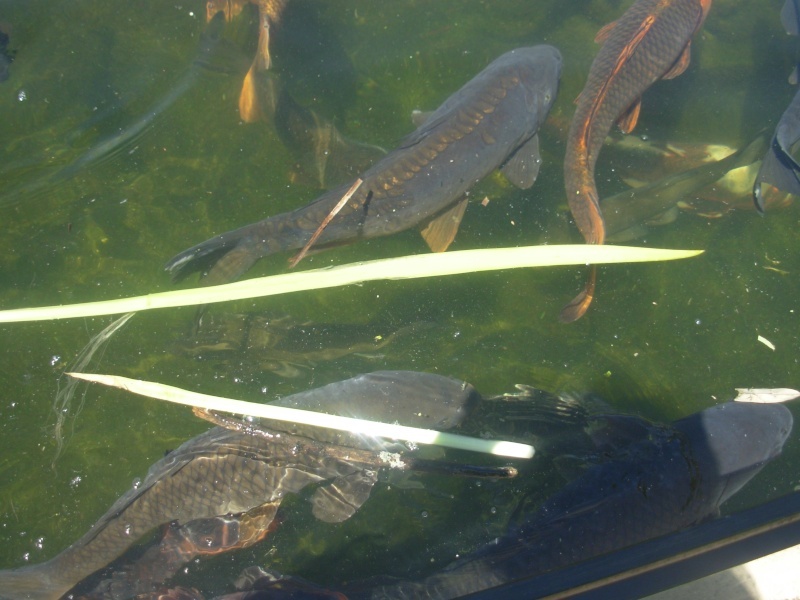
x=491 y=122
x=222 y=489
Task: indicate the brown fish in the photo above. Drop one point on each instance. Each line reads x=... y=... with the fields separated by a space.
x=492 y=122
x=221 y=490
x=269 y=14
x=651 y=41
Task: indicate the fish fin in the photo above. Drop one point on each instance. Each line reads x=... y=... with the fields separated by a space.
x=665 y=218
x=419 y=117
x=222 y=260
x=571 y=467
x=626 y=235
x=539 y=408
x=262 y=61
x=628 y=119
x=440 y=231
x=523 y=166
x=794 y=76
x=790 y=18
x=604 y=32
x=339 y=500
x=681 y=64
x=249 y=109
x=634 y=183
x=580 y=303
x=610 y=433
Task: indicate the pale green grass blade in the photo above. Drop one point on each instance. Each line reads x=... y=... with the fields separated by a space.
x=306 y=417
x=407 y=267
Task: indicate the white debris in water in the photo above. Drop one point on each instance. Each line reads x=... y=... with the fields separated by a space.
x=766 y=396
x=393 y=459
x=766 y=342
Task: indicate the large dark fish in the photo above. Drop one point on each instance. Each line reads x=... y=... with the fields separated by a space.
x=779 y=168
x=670 y=478
x=221 y=490
x=491 y=122
x=651 y=41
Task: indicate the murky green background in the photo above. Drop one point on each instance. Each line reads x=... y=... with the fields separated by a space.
x=660 y=340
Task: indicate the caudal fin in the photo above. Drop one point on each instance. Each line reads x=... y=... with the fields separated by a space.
x=31 y=583
x=221 y=259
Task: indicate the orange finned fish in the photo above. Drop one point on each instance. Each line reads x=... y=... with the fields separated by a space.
x=269 y=13
x=651 y=41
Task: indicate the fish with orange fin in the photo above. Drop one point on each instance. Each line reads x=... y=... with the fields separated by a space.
x=651 y=41
x=221 y=491
x=269 y=14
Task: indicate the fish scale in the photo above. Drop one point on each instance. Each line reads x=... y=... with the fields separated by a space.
x=219 y=472
x=648 y=43
x=671 y=478
x=221 y=489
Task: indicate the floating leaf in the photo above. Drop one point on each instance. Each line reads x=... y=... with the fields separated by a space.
x=406 y=267
x=306 y=417
x=766 y=396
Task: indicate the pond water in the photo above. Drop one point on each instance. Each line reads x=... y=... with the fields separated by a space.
x=661 y=340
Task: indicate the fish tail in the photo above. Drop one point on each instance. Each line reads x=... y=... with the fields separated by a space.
x=30 y=583
x=227 y=257
x=578 y=306
x=584 y=202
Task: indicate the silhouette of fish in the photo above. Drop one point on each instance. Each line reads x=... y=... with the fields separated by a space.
x=492 y=122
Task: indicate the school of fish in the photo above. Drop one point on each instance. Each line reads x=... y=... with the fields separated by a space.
x=222 y=490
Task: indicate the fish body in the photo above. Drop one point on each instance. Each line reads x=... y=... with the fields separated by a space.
x=670 y=478
x=269 y=16
x=260 y=342
x=626 y=212
x=491 y=122
x=221 y=490
x=651 y=41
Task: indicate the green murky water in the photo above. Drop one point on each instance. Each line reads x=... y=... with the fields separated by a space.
x=661 y=340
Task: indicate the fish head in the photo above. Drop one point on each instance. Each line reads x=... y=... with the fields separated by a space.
x=731 y=442
x=540 y=76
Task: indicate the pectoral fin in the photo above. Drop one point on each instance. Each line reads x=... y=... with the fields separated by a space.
x=681 y=64
x=440 y=231
x=628 y=119
x=339 y=500
x=523 y=166
x=603 y=34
